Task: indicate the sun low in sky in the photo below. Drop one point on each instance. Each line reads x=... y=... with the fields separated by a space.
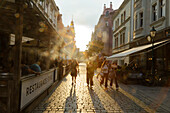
x=85 y=14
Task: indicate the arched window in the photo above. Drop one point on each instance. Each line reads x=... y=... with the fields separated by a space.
x=107 y=13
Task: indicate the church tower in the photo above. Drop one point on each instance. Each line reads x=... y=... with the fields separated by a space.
x=72 y=24
x=72 y=28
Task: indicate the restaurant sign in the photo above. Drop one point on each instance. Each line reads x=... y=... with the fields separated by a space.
x=33 y=87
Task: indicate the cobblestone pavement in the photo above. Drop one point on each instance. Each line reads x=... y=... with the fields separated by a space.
x=78 y=98
x=155 y=97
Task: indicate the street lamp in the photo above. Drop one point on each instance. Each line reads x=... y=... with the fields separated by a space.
x=151 y=38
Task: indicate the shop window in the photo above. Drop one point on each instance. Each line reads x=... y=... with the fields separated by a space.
x=121 y=62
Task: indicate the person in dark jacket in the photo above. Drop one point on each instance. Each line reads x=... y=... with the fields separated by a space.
x=74 y=71
x=90 y=73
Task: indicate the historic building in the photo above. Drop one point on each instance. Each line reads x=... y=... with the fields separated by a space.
x=122 y=29
x=103 y=30
x=70 y=48
x=39 y=28
x=148 y=14
x=29 y=32
x=132 y=41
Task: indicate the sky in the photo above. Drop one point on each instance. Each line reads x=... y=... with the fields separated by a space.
x=85 y=14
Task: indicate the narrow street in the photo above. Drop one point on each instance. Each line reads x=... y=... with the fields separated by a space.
x=78 y=98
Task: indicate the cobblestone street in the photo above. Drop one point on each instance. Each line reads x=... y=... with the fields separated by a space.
x=78 y=98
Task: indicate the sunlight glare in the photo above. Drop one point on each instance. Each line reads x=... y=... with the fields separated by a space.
x=83 y=36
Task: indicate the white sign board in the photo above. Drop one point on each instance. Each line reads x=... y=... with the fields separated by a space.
x=33 y=87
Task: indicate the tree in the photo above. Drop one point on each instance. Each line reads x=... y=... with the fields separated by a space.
x=94 y=47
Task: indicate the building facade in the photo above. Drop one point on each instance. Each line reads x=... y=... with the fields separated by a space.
x=69 y=50
x=70 y=43
x=103 y=30
x=148 y=14
x=49 y=9
x=122 y=28
x=132 y=24
x=28 y=19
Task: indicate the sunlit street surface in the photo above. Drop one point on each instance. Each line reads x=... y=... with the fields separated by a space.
x=78 y=98
x=84 y=56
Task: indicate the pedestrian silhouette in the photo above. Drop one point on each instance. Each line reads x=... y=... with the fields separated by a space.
x=74 y=71
x=90 y=73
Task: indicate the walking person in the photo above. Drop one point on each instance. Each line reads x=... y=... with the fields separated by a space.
x=114 y=67
x=90 y=73
x=74 y=71
x=112 y=75
x=105 y=70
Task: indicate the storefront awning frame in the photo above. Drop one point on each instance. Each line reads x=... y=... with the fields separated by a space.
x=134 y=50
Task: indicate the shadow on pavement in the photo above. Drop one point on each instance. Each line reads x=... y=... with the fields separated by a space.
x=153 y=97
x=126 y=104
x=71 y=101
x=96 y=102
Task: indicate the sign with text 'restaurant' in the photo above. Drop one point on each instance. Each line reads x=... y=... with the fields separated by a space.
x=33 y=87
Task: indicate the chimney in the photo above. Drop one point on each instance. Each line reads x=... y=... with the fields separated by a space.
x=104 y=6
x=110 y=5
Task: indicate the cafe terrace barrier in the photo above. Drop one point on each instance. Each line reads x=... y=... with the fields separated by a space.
x=6 y=84
x=33 y=88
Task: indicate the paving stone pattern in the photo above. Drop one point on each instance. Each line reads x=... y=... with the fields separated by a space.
x=157 y=98
x=78 y=98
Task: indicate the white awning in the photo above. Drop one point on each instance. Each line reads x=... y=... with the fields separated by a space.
x=133 y=50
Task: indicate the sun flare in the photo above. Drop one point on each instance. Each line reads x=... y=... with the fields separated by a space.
x=83 y=36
